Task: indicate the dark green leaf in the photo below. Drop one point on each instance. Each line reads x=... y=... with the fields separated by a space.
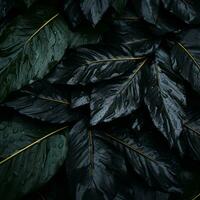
x=79 y=97
x=119 y=98
x=148 y=9
x=94 y=9
x=190 y=139
x=155 y=165
x=44 y=102
x=73 y=12
x=93 y=167
x=30 y=156
x=165 y=98
x=185 y=55
x=188 y=11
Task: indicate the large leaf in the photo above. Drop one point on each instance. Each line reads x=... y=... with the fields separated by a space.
x=79 y=97
x=188 y=11
x=94 y=64
x=30 y=156
x=157 y=167
x=44 y=102
x=93 y=167
x=186 y=54
x=94 y=9
x=119 y=98
x=165 y=97
x=26 y=42
x=148 y=9
x=153 y=12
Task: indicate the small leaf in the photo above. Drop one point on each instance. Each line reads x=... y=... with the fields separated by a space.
x=94 y=9
x=79 y=97
x=94 y=64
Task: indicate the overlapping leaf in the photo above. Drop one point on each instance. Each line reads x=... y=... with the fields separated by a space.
x=93 y=167
x=94 y=64
x=156 y=166
x=165 y=97
x=30 y=155
x=44 y=102
x=185 y=55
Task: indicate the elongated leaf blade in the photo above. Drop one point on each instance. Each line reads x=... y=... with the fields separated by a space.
x=188 y=11
x=132 y=32
x=94 y=9
x=185 y=56
x=119 y=99
x=165 y=98
x=94 y=64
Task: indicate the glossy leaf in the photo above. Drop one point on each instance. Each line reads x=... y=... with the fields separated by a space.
x=148 y=9
x=185 y=55
x=188 y=11
x=190 y=140
x=117 y=99
x=79 y=97
x=157 y=167
x=44 y=102
x=165 y=98
x=30 y=155
x=94 y=64
x=94 y=9
x=92 y=166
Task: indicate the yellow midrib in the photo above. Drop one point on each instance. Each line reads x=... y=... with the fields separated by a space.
x=31 y=145
x=41 y=27
x=189 y=54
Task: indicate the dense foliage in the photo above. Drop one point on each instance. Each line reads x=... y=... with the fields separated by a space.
x=99 y=99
